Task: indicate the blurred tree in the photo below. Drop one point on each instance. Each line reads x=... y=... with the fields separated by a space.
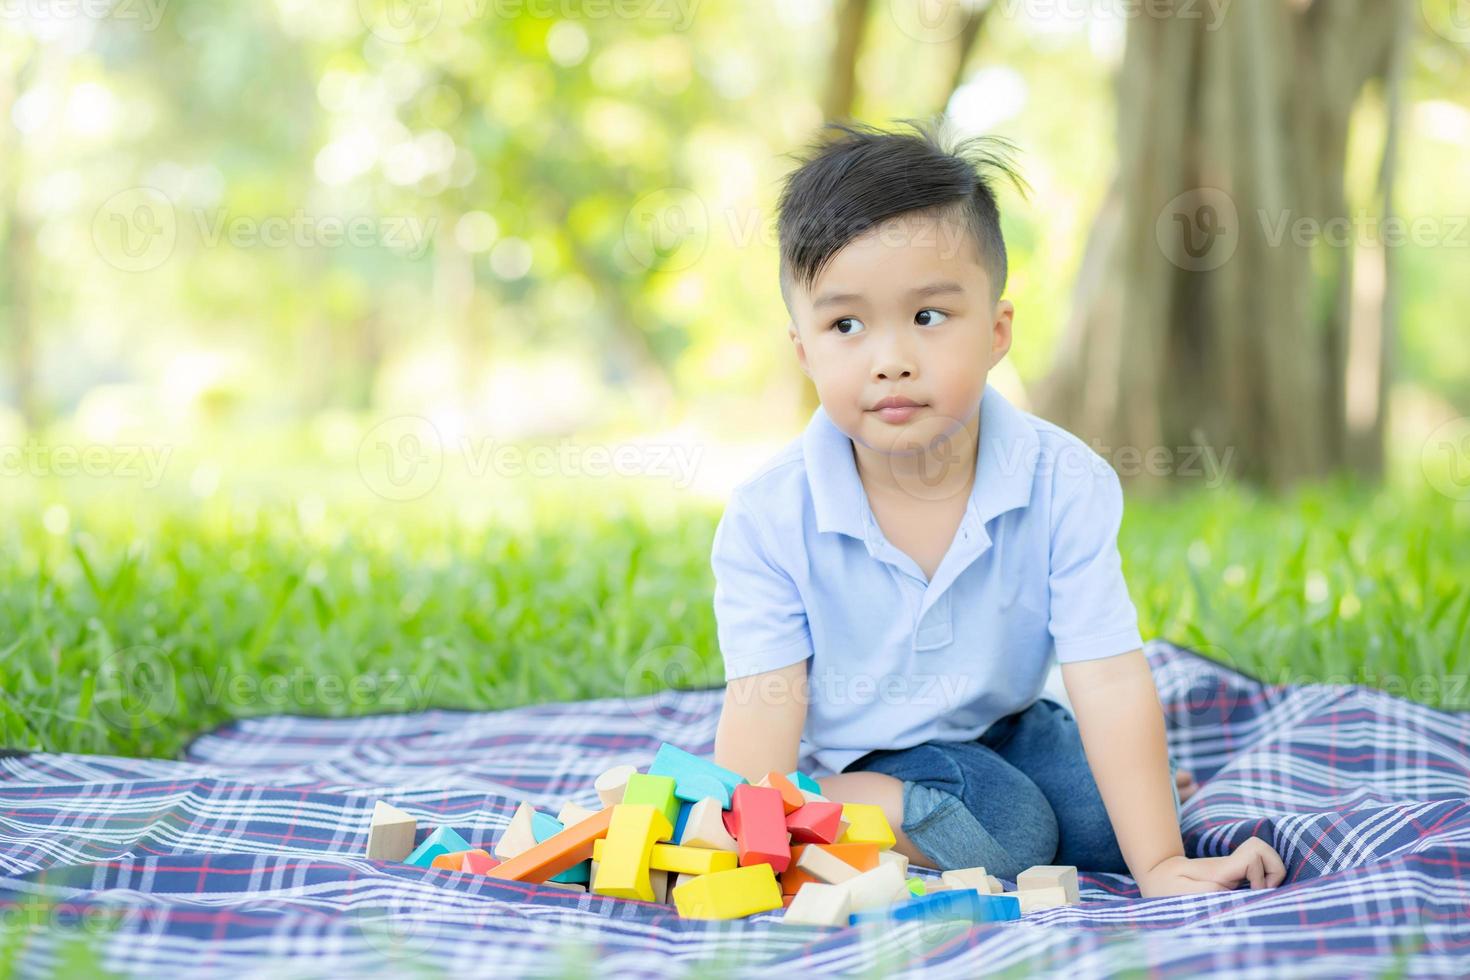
x=1213 y=305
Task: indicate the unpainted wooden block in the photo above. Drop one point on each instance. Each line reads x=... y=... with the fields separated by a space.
x=818 y=904
x=390 y=833
x=893 y=857
x=975 y=878
x=573 y=813
x=882 y=885
x=705 y=827
x=825 y=867
x=1062 y=876
x=519 y=836
x=1033 y=899
x=610 y=784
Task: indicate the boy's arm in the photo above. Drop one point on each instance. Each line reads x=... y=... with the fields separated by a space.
x=762 y=720
x=1122 y=727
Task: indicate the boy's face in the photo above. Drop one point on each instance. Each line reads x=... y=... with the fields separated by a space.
x=903 y=310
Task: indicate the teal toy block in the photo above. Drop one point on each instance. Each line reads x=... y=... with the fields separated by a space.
x=962 y=904
x=803 y=781
x=544 y=827
x=442 y=840
x=694 y=778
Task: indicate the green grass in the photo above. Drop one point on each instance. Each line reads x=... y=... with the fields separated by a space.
x=131 y=622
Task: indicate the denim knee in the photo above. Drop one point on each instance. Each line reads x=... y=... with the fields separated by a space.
x=940 y=825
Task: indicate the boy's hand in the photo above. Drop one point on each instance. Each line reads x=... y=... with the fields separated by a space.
x=1254 y=861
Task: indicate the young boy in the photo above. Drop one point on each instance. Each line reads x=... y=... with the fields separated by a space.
x=892 y=587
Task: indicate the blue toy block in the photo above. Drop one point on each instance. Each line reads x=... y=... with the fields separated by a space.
x=544 y=827
x=964 y=904
x=684 y=807
x=803 y=781
x=443 y=840
x=694 y=778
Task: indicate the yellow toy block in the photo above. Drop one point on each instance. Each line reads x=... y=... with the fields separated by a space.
x=729 y=894
x=623 y=869
x=1034 y=899
x=817 y=904
x=610 y=785
x=866 y=825
x=1063 y=876
x=390 y=833
x=681 y=860
x=975 y=878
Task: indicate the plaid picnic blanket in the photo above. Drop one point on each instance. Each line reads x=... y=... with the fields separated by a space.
x=246 y=858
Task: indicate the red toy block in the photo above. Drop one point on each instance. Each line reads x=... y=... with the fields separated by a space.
x=761 y=820
x=732 y=824
x=815 y=823
x=478 y=862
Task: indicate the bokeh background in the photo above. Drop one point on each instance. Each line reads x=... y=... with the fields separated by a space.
x=368 y=355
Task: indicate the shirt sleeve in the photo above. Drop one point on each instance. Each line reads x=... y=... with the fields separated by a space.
x=760 y=619
x=1092 y=615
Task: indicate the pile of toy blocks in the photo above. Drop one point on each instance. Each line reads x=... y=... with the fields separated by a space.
x=720 y=847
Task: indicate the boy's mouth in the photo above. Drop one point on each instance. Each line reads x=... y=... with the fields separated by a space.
x=896 y=409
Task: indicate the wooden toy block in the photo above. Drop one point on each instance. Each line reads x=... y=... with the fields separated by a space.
x=975 y=878
x=556 y=854
x=572 y=813
x=916 y=887
x=815 y=823
x=812 y=797
x=454 y=860
x=441 y=841
x=1000 y=908
x=760 y=825
x=390 y=833
x=544 y=827
x=804 y=782
x=864 y=857
x=675 y=880
x=824 y=867
x=732 y=823
x=681 y=860
x=684 y=809
x=656 y=791
x=1062 y=876
x=791 y=798
x=729 y=894
x=694 y=777
x=866 y=825
x=570 y=886
x=1035 y=899
x=477 y=862
x=893 y=857
x=659 y=881
x=882 y=885
x=819 y=905
x=996 y=888
x=610 y=784
x=705 y=827
x=622 y=868
x=519 y=836
x=963 y=904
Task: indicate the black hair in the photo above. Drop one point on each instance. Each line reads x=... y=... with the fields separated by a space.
x=858 y=176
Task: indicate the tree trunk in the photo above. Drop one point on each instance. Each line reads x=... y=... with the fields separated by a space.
x=1208 y=314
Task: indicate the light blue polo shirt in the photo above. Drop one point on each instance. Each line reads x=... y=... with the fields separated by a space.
x=804 y=572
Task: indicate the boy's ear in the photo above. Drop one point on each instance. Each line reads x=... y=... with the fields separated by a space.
x=800 y=350
x=1000 y=340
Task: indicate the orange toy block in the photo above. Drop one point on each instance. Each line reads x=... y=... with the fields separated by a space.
x=815 y=823
x=760 y=823
x=864 y=857
x=791 y=798
x=556 y=853
x=454 y=860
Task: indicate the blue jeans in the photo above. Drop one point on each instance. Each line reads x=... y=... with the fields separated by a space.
x=1021 y=794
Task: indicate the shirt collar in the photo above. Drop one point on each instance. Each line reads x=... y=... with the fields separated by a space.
x=1005 y=468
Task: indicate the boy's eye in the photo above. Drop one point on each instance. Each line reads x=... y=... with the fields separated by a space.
x=858 y=324
x=931 y=322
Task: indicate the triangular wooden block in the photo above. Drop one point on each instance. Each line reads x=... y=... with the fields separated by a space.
x=390 y=833
x=519 y=837
x=706 y=828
